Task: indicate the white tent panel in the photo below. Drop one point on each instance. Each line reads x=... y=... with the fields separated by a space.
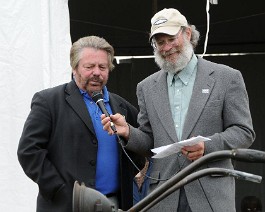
x=34 y=54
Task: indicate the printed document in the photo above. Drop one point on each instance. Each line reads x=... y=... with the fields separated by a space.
x=164 y=151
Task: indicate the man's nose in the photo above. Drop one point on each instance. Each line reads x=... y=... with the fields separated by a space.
x=96 y=70
x=167 y=46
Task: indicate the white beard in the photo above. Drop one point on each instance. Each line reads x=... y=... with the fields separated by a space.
x=182 y=61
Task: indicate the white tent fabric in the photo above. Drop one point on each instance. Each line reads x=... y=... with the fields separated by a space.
x=34 y=54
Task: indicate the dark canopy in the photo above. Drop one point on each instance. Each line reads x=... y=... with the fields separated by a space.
x=235 y=25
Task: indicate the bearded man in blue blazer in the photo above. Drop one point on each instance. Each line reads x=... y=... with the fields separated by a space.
x=189 y=96
x=63 y=139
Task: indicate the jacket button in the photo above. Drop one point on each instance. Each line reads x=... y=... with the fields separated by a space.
x=92 y=162
x=94 y=141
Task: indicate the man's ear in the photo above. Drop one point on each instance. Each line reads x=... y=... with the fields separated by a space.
x=188 y=33
x=73 y=74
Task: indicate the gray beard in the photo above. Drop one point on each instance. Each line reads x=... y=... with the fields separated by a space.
x=182 y=61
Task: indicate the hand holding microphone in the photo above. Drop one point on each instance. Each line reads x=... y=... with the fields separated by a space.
x=108 y=120
x=121 y=125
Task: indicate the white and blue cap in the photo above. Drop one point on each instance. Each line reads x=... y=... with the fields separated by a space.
x=167 y=21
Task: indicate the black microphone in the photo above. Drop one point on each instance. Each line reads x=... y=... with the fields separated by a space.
x=98 y=99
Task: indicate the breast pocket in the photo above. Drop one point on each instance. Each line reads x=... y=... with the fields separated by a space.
x=214 y=103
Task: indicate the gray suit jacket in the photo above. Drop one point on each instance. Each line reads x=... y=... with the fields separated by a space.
x=221 y=114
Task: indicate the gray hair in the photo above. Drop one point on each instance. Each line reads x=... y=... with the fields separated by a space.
x=90 y=42
x=195 y=36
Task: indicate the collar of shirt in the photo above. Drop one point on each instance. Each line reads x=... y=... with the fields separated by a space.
x=185 y=74
x=105 y=94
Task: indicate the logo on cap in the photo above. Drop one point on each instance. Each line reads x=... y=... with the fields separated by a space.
x=160 y=21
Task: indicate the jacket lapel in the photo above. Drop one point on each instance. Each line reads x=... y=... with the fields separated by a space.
x=75 y=100
x=162 y=106
x=116 y=106
x=201 y=91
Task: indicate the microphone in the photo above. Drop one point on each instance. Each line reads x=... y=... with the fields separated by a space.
x=98 y=99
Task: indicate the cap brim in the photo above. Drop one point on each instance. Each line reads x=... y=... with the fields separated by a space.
x=166 y=30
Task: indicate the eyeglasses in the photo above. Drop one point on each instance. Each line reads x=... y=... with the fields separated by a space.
x=160 y=44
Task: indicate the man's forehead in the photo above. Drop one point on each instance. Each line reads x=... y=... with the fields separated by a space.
x=163 y=36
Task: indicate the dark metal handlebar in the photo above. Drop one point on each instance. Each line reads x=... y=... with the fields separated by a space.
x=246 y=155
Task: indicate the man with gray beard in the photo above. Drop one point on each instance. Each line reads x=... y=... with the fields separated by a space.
x=188 y=97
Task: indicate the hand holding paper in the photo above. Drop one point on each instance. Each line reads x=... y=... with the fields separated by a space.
x=170 y=149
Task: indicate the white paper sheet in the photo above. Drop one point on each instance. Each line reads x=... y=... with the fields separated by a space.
x=170 y=149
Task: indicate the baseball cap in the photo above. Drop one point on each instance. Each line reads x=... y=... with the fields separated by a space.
x=167 y=21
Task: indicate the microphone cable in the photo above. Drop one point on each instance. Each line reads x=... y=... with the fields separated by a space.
x=97 y=97
x=138 y=169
